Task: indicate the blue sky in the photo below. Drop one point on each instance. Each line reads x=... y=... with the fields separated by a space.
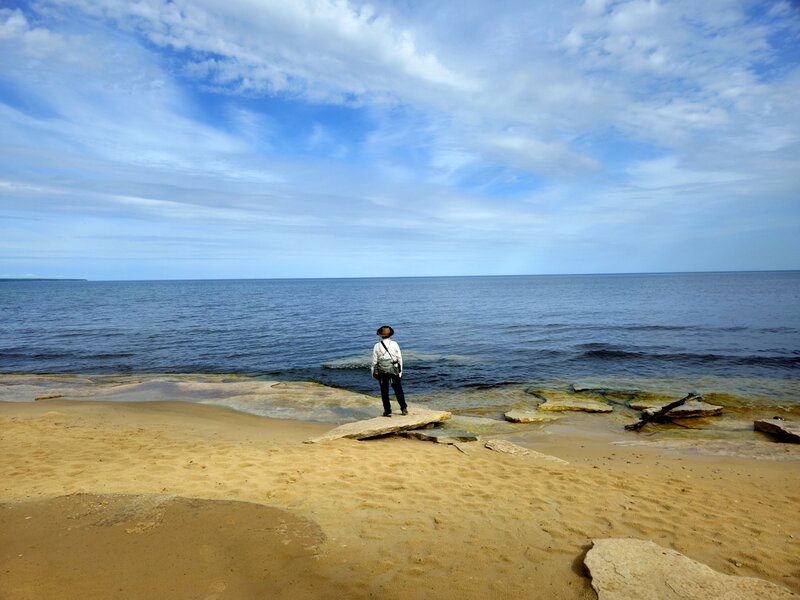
x=263 y=138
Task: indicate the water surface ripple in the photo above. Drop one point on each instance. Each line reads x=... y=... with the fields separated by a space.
x=457 y=332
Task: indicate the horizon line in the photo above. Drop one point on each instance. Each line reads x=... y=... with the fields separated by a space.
x=318 y=278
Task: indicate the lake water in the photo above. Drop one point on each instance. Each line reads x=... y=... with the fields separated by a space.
x=736 y=332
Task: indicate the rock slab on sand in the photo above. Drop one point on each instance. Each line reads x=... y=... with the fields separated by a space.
x=783 y=430
x=361 y=430
x=629 y=569
x=506 y=447
x=511 y=448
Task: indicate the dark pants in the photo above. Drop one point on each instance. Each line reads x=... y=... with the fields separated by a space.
x=398 y=392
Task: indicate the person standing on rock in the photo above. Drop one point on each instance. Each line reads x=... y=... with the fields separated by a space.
x=387 y=368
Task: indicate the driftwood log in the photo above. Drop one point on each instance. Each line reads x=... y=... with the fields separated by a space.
x=661 y=415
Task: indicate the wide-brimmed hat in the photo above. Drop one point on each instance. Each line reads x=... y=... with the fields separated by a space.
x=384 y=328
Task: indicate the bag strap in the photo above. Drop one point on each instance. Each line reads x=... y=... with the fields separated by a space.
x=389 y=353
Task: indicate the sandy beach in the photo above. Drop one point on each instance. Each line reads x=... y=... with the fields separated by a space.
x=180 y=500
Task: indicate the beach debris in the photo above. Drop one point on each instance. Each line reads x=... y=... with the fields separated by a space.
x=785 y=431
x=689 y=409
x=511 y=448
x=369 y=428
x=48 y=397
x=529 y=416
x=630 y=569
x=659 y=415
x=440 y=436
x=560 y=402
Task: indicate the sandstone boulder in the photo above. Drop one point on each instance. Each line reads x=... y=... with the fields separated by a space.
x=628 y=569
x=783 y=430
x=361 y=430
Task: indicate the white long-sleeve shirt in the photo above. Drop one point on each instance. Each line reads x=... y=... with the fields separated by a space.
x=394 y=351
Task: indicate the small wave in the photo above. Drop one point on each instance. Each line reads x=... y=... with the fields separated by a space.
x=655 y=327
x=108 y=355
x=603 y=353
x=88 y=334
x=643 y=327
x=481 y=385
x=608 y=354
x=410 y=357
x=423 y=358
x=347 y=364
x=33 y=355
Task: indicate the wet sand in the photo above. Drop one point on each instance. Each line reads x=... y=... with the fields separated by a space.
x=187 y=500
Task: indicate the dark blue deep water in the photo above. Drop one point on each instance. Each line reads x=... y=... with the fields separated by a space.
x=455 y=332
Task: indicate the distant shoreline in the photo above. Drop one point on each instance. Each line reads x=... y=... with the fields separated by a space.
x=406 y=277
x=16 y=279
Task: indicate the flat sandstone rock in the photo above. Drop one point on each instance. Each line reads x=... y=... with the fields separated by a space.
x=506 y=447
x=565 y=402
x=529 y=416
x=783 y=430
x=628 y=569
x=512 y=448
x=361 y=430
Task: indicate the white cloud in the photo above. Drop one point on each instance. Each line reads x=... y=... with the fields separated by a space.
x=13 y=24
x=318 y=48
x=471 y=124
x=528 y=153
x=665 y=174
